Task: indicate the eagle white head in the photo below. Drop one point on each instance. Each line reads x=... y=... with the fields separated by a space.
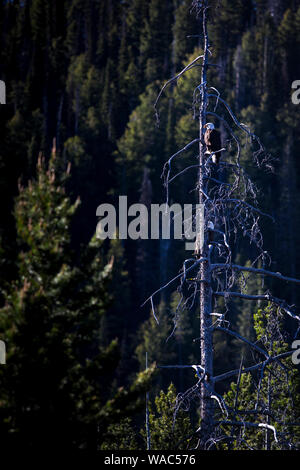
x=209 y=125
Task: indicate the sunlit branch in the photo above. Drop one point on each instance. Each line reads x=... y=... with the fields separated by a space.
x=249 y=425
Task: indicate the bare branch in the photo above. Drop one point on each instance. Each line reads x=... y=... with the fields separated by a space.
x=181 y=366
x=183 y=171
x=239 y=202
x=167 y=165
x=232 y=373
x=269 y=298
x=250 y=425
x=262 y=272
x=174 y=279
x=238 y=336
x=188 y=67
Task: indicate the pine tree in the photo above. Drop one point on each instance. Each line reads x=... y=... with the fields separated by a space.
x=55 y=389
x=166 y=432
x=120 y=436
x=50 y=322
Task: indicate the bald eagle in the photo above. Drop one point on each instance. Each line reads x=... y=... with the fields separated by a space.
x=212 y=139
x=210 y=230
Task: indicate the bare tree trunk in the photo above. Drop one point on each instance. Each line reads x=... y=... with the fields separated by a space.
x=206 y=340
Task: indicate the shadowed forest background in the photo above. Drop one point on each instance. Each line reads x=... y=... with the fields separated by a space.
x=79 y=130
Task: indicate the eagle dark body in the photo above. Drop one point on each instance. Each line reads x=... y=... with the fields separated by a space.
x=212 y=139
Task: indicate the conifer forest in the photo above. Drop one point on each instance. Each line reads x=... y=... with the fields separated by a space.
x=127 y=324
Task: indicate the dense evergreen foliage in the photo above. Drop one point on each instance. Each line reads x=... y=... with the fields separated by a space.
x=85 y=75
